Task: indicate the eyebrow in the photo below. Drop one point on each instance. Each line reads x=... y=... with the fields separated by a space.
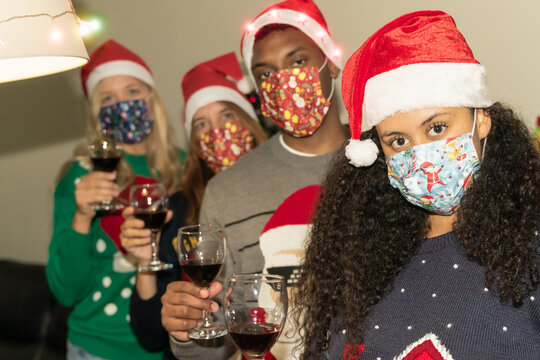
x=424 y=123
x=289 y=54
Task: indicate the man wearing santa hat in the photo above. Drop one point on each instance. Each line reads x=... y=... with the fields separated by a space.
x=294 y=63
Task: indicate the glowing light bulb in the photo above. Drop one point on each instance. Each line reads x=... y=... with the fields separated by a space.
x=56 y=35
x=273 y=14
x=85 y=28
x=250 y=27
x=336 y=53
x=95 y=24
x=302 y=19
x=321 y=34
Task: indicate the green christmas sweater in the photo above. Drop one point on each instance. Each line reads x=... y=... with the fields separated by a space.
x=92 y=273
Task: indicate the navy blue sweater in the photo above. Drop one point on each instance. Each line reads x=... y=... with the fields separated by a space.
x=440 y=305
x=146 y=314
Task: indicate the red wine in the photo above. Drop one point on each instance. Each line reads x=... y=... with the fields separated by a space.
x=152 y=219
x=201 y=273
x=254 y=339
x=107 y=164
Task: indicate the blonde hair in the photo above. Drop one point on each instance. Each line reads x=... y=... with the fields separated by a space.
x=196 y=173
x=161 y=153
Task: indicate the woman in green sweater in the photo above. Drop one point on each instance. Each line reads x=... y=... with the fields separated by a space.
x=88 y=269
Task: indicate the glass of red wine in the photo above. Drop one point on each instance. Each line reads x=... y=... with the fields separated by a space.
x=255 y=311
x=150 y=203
x=201 y=252
x=105 y=153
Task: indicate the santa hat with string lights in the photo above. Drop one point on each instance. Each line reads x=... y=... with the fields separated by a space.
x=219 y=79
x=301 y=14
x=111 y=59
x=419 y=60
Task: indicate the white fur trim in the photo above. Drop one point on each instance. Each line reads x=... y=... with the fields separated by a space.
x=212 y=94
x=436 y=343
x=118 y=67
x=300 y=21
x=245 y=85
x=424 y=85
x=361 y=152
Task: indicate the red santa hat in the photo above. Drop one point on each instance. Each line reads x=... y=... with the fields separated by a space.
x=301 y=14
x=219 y=79
x=285 y=233
x=419 y=60
x=111 y=59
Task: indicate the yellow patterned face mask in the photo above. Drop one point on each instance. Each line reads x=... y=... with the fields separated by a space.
x=221 y=147
x=293 y=99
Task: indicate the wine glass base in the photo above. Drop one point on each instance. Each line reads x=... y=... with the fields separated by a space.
x=107 y=206
x=158 y=266
x=217 y=329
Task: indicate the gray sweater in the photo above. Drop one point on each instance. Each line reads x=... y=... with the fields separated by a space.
x=242 y=199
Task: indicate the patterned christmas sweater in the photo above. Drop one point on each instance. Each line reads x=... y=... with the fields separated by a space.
x=440 y=309
x=93 y=274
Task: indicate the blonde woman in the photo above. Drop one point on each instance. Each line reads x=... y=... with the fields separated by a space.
x=88 y=269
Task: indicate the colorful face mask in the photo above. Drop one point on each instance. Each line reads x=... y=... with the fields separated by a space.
x=221 y=147
x=293 y=98
x=435 y=175
x=130 y=118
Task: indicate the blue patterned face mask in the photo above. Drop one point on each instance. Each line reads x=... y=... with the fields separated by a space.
x=130 y=118
x=435 y=175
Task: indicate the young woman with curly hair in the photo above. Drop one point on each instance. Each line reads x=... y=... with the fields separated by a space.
x=428 y=249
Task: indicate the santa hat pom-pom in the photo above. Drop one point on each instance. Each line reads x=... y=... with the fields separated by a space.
x=361 y=152
x=245 y=85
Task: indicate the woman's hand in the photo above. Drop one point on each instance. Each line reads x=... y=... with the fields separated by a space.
x=94 y=187
x=135 y=238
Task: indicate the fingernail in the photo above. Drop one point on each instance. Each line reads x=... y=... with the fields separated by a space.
x=214 y=306
x=203 y=293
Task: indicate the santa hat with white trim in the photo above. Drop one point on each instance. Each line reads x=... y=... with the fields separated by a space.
x=301 y=14
x=111 y=59
x=419 y=60
x=219 y=79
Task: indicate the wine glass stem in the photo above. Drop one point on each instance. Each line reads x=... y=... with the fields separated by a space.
x=207 y=319
x=154 y=245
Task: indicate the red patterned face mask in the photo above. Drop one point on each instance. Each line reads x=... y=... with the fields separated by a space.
x=221 y=147
x=293 y=98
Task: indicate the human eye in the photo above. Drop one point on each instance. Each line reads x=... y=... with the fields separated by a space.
x=264 y=75
x=106 y=100
x=134 y=91
x=299 y=62
x=398 y=143
x=436 y=129
x=228 y=115
x=201 y=125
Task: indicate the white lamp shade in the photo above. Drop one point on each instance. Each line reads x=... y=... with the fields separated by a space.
x=38 y=37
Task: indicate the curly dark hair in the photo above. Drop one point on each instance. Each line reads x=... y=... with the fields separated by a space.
x=379 y=231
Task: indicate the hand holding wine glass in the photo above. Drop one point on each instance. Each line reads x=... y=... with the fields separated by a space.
x=201 y=253
x=255 y=308
x=105 y=152
x=150 y=203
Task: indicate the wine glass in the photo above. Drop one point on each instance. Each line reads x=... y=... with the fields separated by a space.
x=255 y=311
x=105 y=152
x=201 y=252
x=150 y=204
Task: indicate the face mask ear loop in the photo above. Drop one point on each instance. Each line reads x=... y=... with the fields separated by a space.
x=323 y=65
x=485 y=139
x=333 y=85
x=331 y=92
